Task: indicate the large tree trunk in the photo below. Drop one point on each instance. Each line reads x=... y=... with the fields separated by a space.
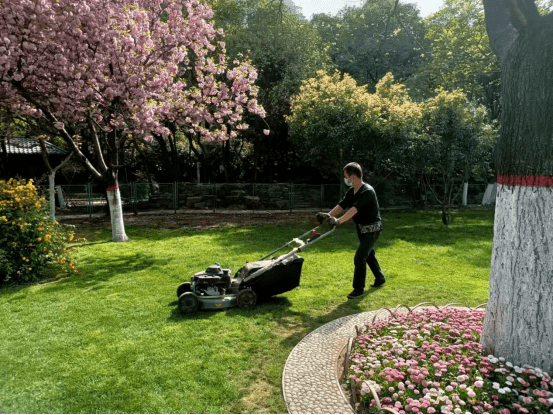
x=519 y=321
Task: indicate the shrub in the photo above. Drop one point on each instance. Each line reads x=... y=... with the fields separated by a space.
x=32 y=246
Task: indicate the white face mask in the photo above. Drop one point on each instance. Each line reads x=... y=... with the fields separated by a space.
x=346 y=182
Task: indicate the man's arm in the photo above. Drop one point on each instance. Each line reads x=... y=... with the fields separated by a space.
x=336 y=210
x=349 y=214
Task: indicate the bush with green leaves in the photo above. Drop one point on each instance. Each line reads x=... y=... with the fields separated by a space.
x=32 y=247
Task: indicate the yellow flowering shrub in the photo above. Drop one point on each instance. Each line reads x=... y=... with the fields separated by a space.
x=31 y=245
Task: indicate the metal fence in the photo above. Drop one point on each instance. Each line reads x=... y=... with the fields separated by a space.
x=91 y=198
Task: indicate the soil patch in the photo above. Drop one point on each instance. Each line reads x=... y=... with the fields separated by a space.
x=195 y=220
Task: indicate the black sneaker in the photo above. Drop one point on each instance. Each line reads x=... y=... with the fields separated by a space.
x=378 y=284
x=356 y=294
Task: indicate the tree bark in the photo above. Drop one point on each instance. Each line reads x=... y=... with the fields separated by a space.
x=116 y=213
x=519 y=320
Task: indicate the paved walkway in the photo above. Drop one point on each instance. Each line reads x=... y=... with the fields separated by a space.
x=310 y=378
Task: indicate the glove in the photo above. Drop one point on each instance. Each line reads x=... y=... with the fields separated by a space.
x=323 y=217
x=332 y=221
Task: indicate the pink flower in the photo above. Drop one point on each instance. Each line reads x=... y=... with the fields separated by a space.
x=266 y=132
x=504 y=411
x=526 y=399
x=478 y=384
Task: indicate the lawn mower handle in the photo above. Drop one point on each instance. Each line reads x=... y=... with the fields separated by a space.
x=299 y=241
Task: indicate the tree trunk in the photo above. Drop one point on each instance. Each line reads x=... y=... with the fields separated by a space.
x=465 y=194
x=518 y=324
x=116 y=212
x=52 y=192
x=519 y=320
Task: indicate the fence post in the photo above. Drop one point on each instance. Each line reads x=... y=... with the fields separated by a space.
x=214 y=194
x=175 y=196
x=89 y=199
x=291 y=196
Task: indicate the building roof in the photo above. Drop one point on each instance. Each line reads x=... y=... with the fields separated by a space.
x=30 y=145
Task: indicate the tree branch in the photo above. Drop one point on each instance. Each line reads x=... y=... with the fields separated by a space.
x=500 y=30
x=523 y=14
x=44 y=152
x=63 y=132
x=96 y=145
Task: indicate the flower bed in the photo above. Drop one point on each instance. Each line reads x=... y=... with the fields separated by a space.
x=431 y=362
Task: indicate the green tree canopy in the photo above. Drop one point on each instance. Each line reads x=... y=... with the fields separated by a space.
x=381 y=36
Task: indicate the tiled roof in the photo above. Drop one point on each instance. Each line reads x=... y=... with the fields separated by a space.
x=30 y=145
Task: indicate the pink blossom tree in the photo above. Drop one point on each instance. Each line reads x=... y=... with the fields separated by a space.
x=105 y=71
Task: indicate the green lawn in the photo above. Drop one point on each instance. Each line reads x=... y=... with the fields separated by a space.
x=111 y=339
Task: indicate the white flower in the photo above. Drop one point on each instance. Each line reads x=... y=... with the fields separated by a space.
x=495 y=385
x=501 y=391
x=506 y=389
x=502 y=359
x=509 y=364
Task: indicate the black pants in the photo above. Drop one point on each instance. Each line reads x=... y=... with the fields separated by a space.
x=365 y=255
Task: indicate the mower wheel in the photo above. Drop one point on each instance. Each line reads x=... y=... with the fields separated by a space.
x=185 y=287
x=188 y=303
x=246 y=298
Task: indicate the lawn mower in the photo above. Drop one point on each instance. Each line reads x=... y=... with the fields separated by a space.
x=214 y=289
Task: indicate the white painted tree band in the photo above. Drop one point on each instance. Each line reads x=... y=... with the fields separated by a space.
x=520 y=311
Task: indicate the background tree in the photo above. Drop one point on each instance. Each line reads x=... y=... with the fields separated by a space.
x=102 y=73
x=456 y=136
x=334 y=120
x=285 y=51
x=519 y=319
x=460 y=56
x=381 y=36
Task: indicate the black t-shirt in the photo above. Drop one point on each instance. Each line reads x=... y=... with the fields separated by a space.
x=366 y=203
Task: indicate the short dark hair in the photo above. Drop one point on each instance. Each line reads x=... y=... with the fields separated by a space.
x=353 y=168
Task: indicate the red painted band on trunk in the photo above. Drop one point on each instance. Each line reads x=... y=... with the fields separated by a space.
x=529 y=181
x=112 y=189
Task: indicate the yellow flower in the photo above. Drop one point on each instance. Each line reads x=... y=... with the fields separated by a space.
x=39 y=239
x=30 y=269
x=70 y=238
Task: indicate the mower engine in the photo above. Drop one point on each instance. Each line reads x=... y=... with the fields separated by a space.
x=213 y=281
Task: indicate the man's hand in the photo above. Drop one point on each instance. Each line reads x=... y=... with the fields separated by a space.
x=323 y=217
x=332 y=221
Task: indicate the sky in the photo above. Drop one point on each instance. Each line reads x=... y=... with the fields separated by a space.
x=332 y=7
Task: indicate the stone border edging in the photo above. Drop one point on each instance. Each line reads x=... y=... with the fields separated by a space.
x=309 y=381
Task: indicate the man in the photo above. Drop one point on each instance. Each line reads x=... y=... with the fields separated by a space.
x=362 y=206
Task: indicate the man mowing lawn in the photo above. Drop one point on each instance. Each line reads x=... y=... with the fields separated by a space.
x=362 y=206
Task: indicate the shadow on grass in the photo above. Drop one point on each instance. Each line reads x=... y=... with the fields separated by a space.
x=101 y=270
